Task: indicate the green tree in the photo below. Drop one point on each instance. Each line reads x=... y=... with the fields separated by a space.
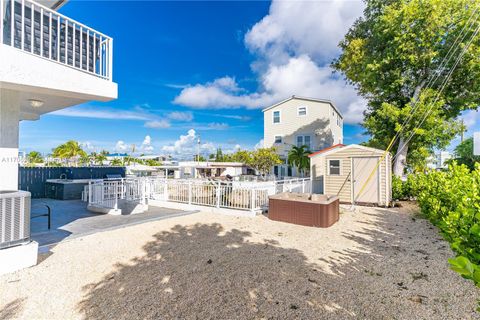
x=464 y=154
x=392 y=55
x=117 y=162
x=199 y=158
x=70 y=150
x=34 y=157
x=298 y=156
x=263 y=160
x=152 y=163
x=100 y=157
x=219 y=155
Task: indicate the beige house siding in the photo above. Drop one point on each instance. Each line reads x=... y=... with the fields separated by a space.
x=321 y=117
x=333 y=183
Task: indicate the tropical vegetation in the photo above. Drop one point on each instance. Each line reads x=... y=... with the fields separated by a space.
x=298 y=157
x=451 y=200
x=33 y=158
x=70 y=151
x=416 y=63
x=464 y=154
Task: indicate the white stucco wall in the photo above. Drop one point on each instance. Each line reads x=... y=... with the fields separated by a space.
x=9 y=115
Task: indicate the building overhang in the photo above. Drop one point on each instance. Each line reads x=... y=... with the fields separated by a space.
x=55 y=84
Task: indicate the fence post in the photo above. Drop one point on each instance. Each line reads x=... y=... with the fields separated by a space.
x=303 y=186
x=165 y=190
x=90 y=191
x=252 y=202
x=189 y=192
x=218 y=194
x=115 y=206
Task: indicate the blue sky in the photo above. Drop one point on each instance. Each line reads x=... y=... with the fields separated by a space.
x=207 y=66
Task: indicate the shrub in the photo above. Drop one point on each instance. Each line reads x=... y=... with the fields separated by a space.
x=404 y=190
x=451 y=200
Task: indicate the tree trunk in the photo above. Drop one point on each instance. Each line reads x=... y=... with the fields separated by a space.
x=400 y=158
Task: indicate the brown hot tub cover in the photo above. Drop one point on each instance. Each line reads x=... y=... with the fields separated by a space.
x=316 y=210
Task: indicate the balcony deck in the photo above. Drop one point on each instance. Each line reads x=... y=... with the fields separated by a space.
x=38 y=30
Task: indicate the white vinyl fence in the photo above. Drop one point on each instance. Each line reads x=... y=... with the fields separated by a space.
x=244 y=195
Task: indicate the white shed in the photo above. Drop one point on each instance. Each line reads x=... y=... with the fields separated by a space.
x=355 y=173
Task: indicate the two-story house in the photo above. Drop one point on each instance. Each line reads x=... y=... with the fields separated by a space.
x=297 y=121
x=47 y=62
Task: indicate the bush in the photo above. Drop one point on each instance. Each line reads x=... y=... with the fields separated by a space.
x=451 y=200
x=403 y=190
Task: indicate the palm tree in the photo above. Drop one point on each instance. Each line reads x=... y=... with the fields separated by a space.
x=99 y=158
x=34 y=157
x=298 y=156
x=116 y=162
x=69 y=150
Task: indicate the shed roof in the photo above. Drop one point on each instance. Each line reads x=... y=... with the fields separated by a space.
x=338 y=147
x=326 y=149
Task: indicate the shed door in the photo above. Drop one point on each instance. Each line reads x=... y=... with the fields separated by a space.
x=362 y=168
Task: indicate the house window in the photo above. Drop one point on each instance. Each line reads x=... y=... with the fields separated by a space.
x=276 y=116
x=278 y=139
x=303 y=141
x=334 y=167
x=302 y=111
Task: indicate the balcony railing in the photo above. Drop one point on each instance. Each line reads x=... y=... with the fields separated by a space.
x=36 y=29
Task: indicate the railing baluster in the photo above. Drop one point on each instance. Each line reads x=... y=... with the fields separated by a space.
x=88 y=50
x=12 y=22
x=22 y=40
x=110 y=59
x=50 y=36
x=58 y=38
x=41 y=32
x=66 y=42
x=1 y=21
x=32 y=27
x=94 y=61
x=81 y=48
x=74 y=45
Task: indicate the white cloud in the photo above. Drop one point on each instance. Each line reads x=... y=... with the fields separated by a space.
x=181 y=116
x=218 y=126
x=87 y=146
x=157 y=124
x=146 y=146
x=187 y=145
x=97 y=113
x=294 y=45
x=120 y=146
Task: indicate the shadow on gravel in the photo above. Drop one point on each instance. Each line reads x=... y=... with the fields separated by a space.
x=12 y=309
x=205 y=272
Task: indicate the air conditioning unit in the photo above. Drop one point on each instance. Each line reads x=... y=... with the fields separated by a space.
x=14 y=218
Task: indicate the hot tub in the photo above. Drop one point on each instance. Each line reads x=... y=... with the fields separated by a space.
x=316 y=210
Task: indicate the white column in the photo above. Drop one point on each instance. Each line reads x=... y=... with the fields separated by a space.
x=9 y=123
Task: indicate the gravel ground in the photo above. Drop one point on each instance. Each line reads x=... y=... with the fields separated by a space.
x=372 y=264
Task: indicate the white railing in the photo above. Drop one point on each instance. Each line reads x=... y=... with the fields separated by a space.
x=107 y=194
x=34 y=28
x=245 y=195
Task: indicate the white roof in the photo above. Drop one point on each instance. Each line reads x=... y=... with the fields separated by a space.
x=307 y=99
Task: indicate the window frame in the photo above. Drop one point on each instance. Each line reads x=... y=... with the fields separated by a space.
x=303 y=141
x=298 y=111
x=279 y=117
x=330 y=167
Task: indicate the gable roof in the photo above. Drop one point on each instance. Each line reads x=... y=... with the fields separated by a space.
x=306 y=99
x=338 y=147
x=326 y=149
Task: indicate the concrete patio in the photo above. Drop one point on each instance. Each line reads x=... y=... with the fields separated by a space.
x=71 y=219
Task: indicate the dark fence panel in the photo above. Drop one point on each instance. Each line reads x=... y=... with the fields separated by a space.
x=33 y=179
